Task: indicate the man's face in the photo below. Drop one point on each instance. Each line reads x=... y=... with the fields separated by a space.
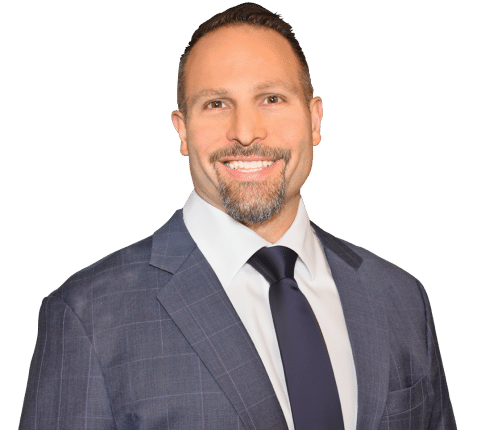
x=249 y=132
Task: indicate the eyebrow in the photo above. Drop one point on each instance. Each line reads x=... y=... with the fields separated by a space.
x=221 y=92
x=275 y=84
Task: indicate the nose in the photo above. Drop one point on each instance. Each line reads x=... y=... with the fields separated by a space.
x=246 y=126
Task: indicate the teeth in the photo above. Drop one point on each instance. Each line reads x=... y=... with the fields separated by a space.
x=250 y=166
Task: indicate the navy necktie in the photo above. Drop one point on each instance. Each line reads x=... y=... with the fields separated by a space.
x=309 y=376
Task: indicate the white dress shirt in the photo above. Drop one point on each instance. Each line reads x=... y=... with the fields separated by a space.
x=227 y=245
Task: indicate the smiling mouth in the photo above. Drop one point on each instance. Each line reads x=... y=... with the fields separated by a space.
x=254 y=162
x=248 y=166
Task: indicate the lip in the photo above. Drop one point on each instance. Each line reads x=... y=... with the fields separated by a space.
x=245 y=176
x=243 y=158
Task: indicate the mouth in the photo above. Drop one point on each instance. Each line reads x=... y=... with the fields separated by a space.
x=256 y=162
x=249 y=168
x=247 y=164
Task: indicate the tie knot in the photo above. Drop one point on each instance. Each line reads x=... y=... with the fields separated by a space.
x=274 y=263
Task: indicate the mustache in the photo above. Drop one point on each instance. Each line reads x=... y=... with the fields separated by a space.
x=256 y=149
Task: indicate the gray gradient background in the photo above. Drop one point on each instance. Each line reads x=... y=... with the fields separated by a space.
x=89 y=152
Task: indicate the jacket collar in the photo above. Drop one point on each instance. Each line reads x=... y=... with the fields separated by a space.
x=172 y=244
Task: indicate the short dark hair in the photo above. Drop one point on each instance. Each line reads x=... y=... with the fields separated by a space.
x=250 y=14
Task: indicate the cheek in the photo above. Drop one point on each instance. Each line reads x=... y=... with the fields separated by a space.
x=291 y=129
x=201 y=143
x=200 y=139
x=294 y=133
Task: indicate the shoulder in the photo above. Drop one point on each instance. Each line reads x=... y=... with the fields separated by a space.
x=128 y=268
x=360 y=259
x=384 y=280
x=107 y=275
x=372 y=263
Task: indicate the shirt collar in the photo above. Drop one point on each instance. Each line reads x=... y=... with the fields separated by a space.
x=227 y=244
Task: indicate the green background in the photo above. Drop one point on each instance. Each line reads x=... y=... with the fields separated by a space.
x=90 y=162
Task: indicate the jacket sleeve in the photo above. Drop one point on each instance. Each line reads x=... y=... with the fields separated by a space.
x=442 y=417
x=66 y=388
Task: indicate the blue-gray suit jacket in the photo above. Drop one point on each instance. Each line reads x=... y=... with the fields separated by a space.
x=146 y=338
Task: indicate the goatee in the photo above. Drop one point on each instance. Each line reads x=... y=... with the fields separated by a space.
x=252 y=202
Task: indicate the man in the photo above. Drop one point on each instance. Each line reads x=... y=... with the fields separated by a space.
x=192 y=328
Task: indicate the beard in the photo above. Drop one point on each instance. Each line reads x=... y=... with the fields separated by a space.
x=252 y=202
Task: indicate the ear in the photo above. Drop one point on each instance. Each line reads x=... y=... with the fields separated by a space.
x=316 y=114
x=180 y=126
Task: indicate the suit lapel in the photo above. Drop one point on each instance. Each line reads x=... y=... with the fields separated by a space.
x=365 y=317
x=195 y=300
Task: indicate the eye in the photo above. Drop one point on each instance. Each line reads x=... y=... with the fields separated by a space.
x=272 y=99
x=215 y=104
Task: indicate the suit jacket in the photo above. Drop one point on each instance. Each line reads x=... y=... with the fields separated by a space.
x=146 y=338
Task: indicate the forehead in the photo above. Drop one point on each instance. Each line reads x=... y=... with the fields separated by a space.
x=241 y=56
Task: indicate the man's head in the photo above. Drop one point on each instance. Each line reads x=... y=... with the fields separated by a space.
x=249 y=122
x=255 y=15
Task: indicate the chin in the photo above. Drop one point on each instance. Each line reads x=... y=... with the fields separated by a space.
x=252 y=202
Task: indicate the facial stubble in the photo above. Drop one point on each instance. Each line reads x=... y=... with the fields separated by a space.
x=252 y=202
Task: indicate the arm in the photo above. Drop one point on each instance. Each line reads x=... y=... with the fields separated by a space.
x=442 y=417
x=65 y=389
